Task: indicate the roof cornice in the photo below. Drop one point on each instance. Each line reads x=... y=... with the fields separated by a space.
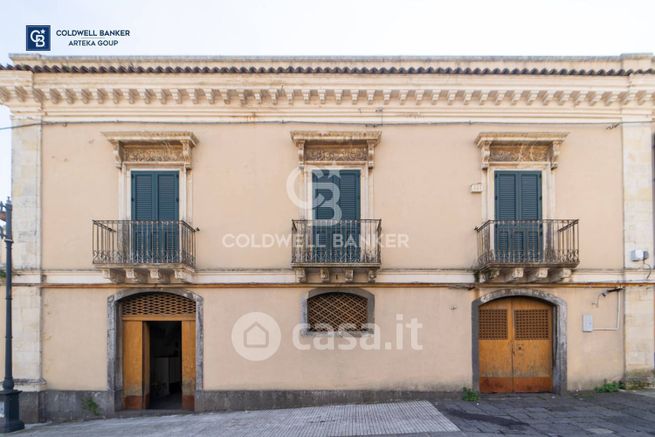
x=623 y=65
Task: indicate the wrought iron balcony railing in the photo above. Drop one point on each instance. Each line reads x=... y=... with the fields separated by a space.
x=336 y=243
x=528 y=243
x=141 y=242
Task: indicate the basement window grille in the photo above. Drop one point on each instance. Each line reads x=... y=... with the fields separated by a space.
x=164 y=304
x=337 y=312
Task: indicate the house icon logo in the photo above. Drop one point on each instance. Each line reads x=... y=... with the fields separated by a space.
x=256 y=336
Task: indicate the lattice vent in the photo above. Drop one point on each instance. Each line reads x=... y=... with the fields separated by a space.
x=164 y=304
x=531 y=324
x=493 y=325
x=336 y=310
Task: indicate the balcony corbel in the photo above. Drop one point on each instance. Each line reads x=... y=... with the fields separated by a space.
x=525 y=251
x=324 y=259
x=133 y=251
x=537 y=274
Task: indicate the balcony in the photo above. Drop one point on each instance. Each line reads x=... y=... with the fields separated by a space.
x=144 y=251
x=527 y=250
x=333 y=247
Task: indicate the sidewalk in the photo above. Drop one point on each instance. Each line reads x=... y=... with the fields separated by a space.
x=625 y=414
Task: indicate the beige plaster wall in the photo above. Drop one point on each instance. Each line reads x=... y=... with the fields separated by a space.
x=422 y=179
x=75 y=339
x=75 y=342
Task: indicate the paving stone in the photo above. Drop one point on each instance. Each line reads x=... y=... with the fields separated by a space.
x=624 y=414
x=337 y=420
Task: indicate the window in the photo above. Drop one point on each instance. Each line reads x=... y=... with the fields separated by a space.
x=336 y=211
x=518 y=227
x=155 y=211
x=339 y=312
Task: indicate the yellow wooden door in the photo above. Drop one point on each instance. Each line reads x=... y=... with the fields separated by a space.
x=515 y=345
x=495 y=346
x=533 y=345
x=188 y=364
x=133 y=368
x=145 y=377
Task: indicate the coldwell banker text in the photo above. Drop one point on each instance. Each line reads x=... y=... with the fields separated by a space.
x=93 y=37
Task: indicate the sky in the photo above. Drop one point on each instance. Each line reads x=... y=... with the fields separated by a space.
x=333 y=27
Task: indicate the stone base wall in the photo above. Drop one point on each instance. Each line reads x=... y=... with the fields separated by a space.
x=64 y=405
x=272 y=399
x=639 y=337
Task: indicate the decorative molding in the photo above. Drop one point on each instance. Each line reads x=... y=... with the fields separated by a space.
x=334 y=154
x=336 y=146
x=637 y=95
x=144 y=146
x=501 y=147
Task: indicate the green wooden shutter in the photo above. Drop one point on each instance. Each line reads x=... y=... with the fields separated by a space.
x=143 y=201
x=155 y=195
x=530 y=209
x=168 y=213
x=518 y=210
x=155 y=208
x=323 y=194
x=506 y=196
x=530 y=195
x=167 y=196
x=349 y=202
x=330 y=237
x=518 y=195
x=325 y=183
x=349 y=190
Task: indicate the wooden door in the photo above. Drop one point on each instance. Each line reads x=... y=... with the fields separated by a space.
x=133 y=364
x=145 y=376
x=188 y=364
x=516 y=346
x=138 y=312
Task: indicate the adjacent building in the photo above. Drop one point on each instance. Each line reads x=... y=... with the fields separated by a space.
x=228 y=233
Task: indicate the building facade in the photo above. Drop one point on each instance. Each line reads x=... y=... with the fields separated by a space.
x=226 y=233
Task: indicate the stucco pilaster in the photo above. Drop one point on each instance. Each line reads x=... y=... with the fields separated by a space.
x=639 y=327
x=26 y=193
x=27 y=337
x=26 y=147
x=639 y=346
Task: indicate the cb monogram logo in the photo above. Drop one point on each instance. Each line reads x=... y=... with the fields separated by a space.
x=37 y=38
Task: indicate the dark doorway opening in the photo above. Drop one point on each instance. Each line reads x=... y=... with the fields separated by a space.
x=165 y=365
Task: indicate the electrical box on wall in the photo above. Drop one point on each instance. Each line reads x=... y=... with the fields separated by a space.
x=587 y=323
x=639 y=255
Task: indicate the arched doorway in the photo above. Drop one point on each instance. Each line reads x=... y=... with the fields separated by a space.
x=154 y=358
x=519 y=342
